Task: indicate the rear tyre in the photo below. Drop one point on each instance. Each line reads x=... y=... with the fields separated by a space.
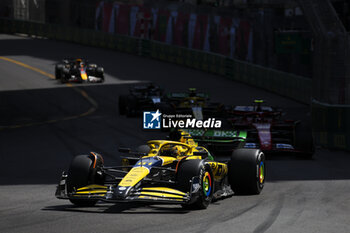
x=196 y=168
x=247 y=171
x=65 y=75
x=58 y=71
x=303 y=140
x=82 y=173
x=100 y=74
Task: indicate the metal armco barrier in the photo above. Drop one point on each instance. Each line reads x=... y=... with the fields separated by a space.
x=329 y=122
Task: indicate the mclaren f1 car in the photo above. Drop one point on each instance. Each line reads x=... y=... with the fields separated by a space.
x=163 y=171
x=78 y=70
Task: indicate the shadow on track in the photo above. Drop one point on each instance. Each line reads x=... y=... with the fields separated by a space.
x=120 y=208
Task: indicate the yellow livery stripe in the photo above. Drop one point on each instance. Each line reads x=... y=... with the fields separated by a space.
x=28 y=67
x=164 y=189
x=167 y=160
x=84 y=195
x=84 y=77
x=93 y=186
x=134 y=176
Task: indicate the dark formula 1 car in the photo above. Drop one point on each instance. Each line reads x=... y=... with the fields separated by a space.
x=268 y=131
x=143 y=97
x=192 y=103
x=78 y=70
x=170 y=172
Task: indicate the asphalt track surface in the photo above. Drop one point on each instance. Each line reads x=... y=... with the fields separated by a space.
x=43 y=124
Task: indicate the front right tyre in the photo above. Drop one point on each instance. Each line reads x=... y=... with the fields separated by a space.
x=64 y=75
x=247 y=171
x=58 y=71
x=82 y=172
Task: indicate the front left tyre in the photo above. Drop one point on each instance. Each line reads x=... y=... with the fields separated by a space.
x=58 y=71
x=83 y=171
x=65 y=74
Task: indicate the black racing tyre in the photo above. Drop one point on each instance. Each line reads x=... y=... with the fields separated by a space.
x=247 y=171
x=122 y=102
x=65 y=75
x=58 y=71
x=196 y=168
x=79 y=78
x=303 y=140
x=102 y=79
x=82 y=173
x=100 y=74
x=131 y=106
x=99 y=71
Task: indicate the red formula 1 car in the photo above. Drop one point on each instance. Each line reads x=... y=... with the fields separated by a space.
x=268 y=131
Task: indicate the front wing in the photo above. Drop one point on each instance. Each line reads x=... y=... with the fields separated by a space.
x=106 y=193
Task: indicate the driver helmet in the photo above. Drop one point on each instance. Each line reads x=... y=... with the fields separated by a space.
x=175 y=151
x=78 y=62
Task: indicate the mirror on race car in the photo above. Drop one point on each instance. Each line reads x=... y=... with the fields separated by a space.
x=201 y=153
